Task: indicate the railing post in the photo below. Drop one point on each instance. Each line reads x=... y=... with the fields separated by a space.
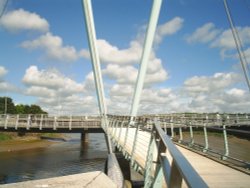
x=41 y=122
x=175 y=179
x=115 y=132
x=149 y=162
x=165 y=127
x=17 y=121
x=114 y=127
x=191 y=134
x=120 y=132
x=205 y=134
x=55 y=122
x=224 y=157
x=6 y=121
x=35 y=118
x=134 y=144
x=126 y=135
x=161 y=149
x=172 y=126
x=181 y=136
x=70 y=122
x=237 y=118
x=28 y=125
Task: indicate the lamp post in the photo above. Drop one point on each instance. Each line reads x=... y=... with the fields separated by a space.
x=5 y=105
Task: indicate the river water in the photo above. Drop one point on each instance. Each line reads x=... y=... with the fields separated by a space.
x=62 y=158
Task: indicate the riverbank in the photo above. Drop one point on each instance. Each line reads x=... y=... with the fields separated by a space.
x=29 y=141
x=18 y=145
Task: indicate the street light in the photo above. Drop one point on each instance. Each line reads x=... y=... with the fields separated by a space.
x=5 y=105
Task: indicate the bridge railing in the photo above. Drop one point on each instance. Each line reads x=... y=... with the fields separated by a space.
x=213 y=134
x=146 y=146
x=169 y=163
x=41 y=121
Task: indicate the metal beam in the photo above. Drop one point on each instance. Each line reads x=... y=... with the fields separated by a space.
x=145 y=55
x=89 y=20
x=238 y=45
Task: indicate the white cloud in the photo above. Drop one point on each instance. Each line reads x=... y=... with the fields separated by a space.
x=223 y=40
x=7 y=87
x=50 y=79
x=112 y=54
x=59 y=94
x=121 y=90
x=131 y=55
x=233 y=100
x=204 y=34
x=54 y=48
x=45 y=80
x=128 y=74
x=74 y=104
x=3 y=72
x=226 y=40
x=4 y=85
x=168 y=28
x=247 y=54
x=19 y=20
x=122 y=74
x=40 y=92
x=219 y=81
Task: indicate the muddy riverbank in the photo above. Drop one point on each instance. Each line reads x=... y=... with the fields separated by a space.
x=30 y=141
x=19 y=145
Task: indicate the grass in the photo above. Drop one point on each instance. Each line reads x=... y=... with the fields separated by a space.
x=4 y=137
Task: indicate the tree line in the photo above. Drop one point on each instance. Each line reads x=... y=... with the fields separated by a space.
x=7 y=106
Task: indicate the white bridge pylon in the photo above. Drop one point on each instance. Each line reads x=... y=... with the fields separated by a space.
x=89 y=20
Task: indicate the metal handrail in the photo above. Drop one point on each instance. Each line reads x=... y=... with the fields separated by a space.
x=184 y=168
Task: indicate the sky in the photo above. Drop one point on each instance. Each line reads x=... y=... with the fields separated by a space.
x=193 y=66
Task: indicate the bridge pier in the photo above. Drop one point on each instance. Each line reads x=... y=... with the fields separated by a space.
x=84 y=137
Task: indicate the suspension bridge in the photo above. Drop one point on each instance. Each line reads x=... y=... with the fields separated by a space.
x=153 y=144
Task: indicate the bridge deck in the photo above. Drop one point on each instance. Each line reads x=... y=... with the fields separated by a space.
x=213 y=173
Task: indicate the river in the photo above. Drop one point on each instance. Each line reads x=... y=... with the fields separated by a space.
x=59 y=159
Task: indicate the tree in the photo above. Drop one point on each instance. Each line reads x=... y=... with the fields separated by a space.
x=35 y=109
x=19 y=108
x=9 y=108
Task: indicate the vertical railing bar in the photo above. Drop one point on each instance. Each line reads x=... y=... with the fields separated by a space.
x=205 y=134
x=149 y=161
x=120 y=132
x=55 y=121
x=6 y=121
x=226 y=153
x=181 y=135
x=41 y=122
x=135 y=142
x=28 y=125
x=70 y=122
x=17 y=121
x=191 y=134
x=172 y=127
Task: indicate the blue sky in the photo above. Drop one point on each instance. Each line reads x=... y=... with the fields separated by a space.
x=193 y=66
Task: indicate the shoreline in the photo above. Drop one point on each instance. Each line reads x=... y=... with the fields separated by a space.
x=30 y=141
x=24 y=144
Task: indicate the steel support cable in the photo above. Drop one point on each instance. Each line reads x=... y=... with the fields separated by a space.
x=238 y=45
x=4 y=5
